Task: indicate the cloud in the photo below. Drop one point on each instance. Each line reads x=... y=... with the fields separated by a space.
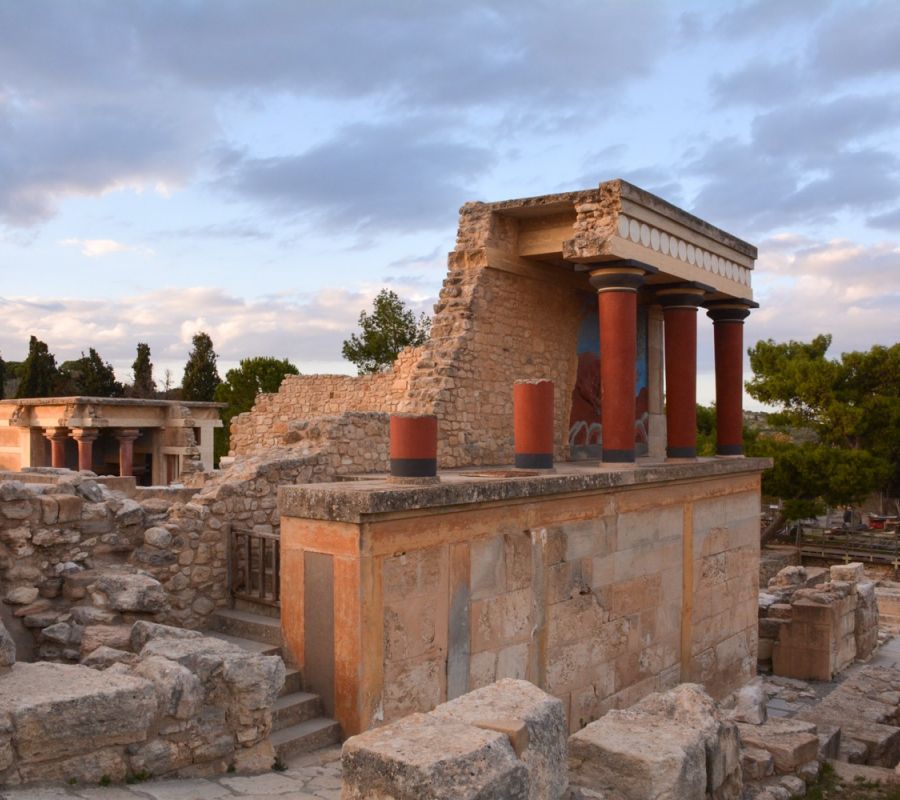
x=889 y=221
x=765 y=17
x=858 y=41
x=368 y=177
x=93 y=248
x=305 y=328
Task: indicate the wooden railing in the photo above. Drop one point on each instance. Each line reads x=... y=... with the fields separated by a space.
x=255 y=566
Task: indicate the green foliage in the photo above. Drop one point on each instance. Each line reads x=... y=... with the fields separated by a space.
x=90 y=376
x=105 y=780
x=39 y=375
x=240 y=387
x=201 y=377
x=385 y=332
x=138 y=777
x=706 y=430
x=2 y=375
x=852 y=405
x=144 y=385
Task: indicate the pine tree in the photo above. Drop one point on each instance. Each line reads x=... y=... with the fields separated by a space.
x=200 y=374
x=144 y=385
x=40 y=376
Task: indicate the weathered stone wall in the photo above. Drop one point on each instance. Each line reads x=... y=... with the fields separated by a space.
x=498 y=319
x=166 y=702
x=598 y=596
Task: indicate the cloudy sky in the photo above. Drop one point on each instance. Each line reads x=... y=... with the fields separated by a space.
x=259 y=170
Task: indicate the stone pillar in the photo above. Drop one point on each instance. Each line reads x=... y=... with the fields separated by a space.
x=728 y=336
x=413 y=447
x=617 y=295
x=57 y=437
x=680 y=311
x=126 y=437
x=85 y=438
x=533 y=424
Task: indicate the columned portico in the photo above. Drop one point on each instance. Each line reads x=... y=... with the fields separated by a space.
x=728 y=340
x=617 y=288
x=57 y=437
x=680 y=305
x=85 y=438
x=126 y=437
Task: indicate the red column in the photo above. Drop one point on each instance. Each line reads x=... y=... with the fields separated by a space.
x=680 y=314
x=413 y=446
x=728 y=336
x=126 y=437
x=617 y=295
x=533 y=424
x=85 y=438
x=57 y=437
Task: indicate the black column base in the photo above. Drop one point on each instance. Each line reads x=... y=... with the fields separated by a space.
x=534 y=461
x=730 y=450
x=681 y=452
x=618 y=456
x=413 y=467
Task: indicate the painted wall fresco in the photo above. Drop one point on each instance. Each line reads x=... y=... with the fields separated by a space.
x=586 y=419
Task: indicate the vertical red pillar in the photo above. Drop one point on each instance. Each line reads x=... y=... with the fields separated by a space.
x=533 y=424
x=413 y=446
x=57 y=437
x=617 y=296
x=126 y=437
x=85 y=439
x=680 y=314
x=728 y=341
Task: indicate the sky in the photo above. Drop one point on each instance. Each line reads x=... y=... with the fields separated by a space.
x=260 y=169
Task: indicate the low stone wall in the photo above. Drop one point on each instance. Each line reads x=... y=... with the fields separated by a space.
x=814 y=630
x=168 y=702
x=598 y=586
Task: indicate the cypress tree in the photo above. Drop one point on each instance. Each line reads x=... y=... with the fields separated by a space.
x=40 y=375
x=200 y=374
x=144 y=385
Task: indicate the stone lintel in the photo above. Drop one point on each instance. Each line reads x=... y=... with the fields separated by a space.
x=358 y=500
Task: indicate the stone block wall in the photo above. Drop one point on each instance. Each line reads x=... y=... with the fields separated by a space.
x=597 y=596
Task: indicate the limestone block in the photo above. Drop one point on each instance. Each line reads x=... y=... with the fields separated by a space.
x=7 y=648
x=179 y=691
x=750 y=704
x=668 y=745
x=104 y=657
x=94 y=636
x=59 y=710
x=865 y=619
x=756 y=764
x=129 y=513
x=422 y=757
x=68 y=508
x=854 y=572
x=132 y=592
x=791 y=742
x=158 y=537
x=159 y=756
x=84 y=768
x=22 y=595
x=788 y=577
x=493 y=707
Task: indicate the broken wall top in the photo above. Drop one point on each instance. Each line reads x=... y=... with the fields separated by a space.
x=615 y=222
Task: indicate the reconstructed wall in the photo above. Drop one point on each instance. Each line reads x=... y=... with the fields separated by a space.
x=598 y=595
x=498 y=319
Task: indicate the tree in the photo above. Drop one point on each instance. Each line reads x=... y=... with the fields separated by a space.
x=144 y=385
x=385 y=332
x=2 y=375
x=90 y=376
x=851 y=404
x=242 y=385
x=39 y=374
x=200 y=374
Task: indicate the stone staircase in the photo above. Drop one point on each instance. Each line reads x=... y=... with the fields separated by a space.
x=297 y=722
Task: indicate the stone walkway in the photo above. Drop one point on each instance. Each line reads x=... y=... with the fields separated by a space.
x=315 y=776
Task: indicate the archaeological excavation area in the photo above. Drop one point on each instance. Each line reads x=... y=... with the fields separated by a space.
x=496 y=570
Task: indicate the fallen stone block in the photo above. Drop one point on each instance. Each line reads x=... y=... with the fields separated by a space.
x=854 y=572
x=534 y=722
x=669 y=745
x=132 y=592
x=756 y=764
x=790 y=741
x=423 y=757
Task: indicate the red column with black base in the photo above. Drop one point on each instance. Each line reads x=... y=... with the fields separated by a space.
x=126 y=437
x=413 y=446
x=57 y=437
x=533 y=424
x=617 y=297
x=728 y=337
x=680 y=314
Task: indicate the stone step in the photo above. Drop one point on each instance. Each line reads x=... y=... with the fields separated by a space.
x=293 y=682
x=292 y=709
x=263 y=609
x=246 y=625
x=305 y=737
x=252 y=646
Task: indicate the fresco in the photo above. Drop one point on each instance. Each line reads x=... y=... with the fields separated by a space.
x=585 y=421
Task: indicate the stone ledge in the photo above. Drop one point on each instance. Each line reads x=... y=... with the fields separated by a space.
x=353 y=501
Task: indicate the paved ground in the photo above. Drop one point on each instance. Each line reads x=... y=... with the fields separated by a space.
x=316 y=776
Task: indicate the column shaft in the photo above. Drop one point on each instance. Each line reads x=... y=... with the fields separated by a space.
x=126 y=439
x=85 y=437
x=728 y=342
x=57 y=438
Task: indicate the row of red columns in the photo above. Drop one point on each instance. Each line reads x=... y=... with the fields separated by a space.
x=85 y=438
x=617 y=289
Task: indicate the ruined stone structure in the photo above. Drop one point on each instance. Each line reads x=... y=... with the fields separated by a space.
x=520 y=301
x=157 y=441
